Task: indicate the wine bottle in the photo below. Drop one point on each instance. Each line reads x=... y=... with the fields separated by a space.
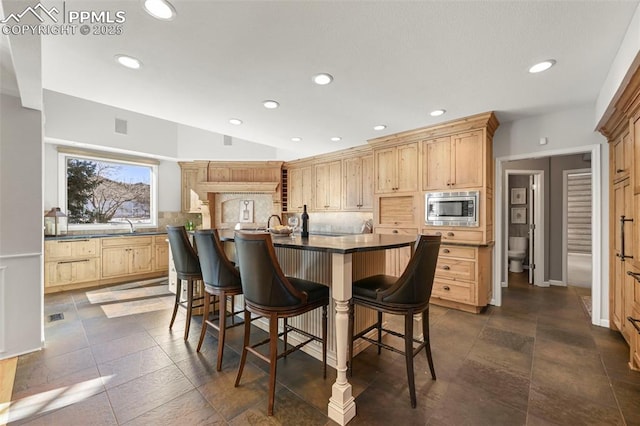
x=305 y=223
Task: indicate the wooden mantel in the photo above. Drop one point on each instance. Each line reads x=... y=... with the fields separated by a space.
x=204 y=188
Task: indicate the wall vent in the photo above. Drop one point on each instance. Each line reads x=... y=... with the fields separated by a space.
x=121 y=126
x=228 y=140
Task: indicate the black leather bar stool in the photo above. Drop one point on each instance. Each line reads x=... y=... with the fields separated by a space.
x=221 y=280
x=269 y=293
x=407 y=295
x=188 y=269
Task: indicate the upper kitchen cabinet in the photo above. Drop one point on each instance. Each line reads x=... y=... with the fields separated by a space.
x=622 y=152
x=453 y=162
x=357 y=183
x=328 y=185
x=300 y=187
x=192 y=174
x=396 y=168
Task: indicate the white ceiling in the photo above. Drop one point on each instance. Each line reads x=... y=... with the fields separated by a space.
x=393 y=62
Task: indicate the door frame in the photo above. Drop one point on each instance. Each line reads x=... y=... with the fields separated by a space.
x=565 y=218
x=538 y=212
x=598 y=286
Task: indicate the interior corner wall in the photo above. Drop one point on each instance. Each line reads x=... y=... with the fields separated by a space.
x=21 y=228
x=199 y=144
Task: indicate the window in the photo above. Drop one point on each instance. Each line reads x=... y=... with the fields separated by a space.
x=101 y=192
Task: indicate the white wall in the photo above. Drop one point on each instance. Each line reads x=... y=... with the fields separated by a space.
x=198 y=144
x=565 y=130
x=21 y=228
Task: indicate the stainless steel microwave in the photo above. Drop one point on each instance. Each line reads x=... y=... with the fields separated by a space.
x=451 y=208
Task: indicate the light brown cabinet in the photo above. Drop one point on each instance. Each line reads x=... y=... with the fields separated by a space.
x=622 y=153
x=357 y=183
x=192 y=174
x=328 y=188
x=396 y=168
x=126 y=256
x=161 y=255
x=301 y=188
x=71 y=262
x=623 y=253
x=453 y=162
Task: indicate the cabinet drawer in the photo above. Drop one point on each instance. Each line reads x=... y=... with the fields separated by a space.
x=456 y=235
x=456 y=269
x=72 y=271
x=456 y=291
x=126 y=241
x=397 y=230
x=457 y=252
x=160 y=239
x=68 y=249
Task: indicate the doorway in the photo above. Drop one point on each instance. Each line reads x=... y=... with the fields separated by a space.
x=525 y=226
x=553 y=237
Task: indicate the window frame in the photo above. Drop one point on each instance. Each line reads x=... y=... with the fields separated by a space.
x=63 y=157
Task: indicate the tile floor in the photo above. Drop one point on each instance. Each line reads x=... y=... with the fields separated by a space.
x=536 y=360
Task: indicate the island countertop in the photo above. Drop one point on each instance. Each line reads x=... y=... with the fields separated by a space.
x=337 y=244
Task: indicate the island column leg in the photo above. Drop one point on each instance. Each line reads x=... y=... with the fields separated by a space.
x=342 y=406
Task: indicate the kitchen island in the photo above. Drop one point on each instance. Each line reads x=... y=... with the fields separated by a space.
x=337 y=262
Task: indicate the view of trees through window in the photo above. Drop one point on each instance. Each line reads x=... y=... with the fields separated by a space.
x=107 y=192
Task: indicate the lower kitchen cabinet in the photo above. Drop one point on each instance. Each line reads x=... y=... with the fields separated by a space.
x=79 y=263
x=463 y=278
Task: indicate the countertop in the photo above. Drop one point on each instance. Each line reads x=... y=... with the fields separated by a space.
x=337 y=244
x=87 y=236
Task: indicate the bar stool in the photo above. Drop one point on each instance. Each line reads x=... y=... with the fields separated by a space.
x=188 y=269
x=221 y=280
x=407 y=295
x=268 y=292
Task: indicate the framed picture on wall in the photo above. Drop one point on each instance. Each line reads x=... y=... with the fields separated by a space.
x=519 y=215
x=518 y=195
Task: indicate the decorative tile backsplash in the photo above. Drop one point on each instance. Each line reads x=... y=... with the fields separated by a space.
x=249 y=210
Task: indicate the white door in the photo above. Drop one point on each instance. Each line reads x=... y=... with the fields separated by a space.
x=532 y=227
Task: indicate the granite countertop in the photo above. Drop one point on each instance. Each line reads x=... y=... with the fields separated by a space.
x=337 y=244
x=87 y=236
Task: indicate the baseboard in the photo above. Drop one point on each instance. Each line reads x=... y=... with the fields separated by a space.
x=557 y=283
x=604 y=323
x=544 y=284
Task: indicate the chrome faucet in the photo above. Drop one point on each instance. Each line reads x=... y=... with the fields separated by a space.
x=130 y=226
x=272 y=216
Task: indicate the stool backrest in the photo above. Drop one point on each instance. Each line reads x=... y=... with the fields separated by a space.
x=184 y=255
x=416 y=282
x=217 y=269
x=263 y=282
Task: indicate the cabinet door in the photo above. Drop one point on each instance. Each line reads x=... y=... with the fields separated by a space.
x=334 y=188
x=161 y=257
x=300 y=188
x=366 y=200
x=466 y=164
x=636 y=155
x=140 y=259
x=352 y=183
x=385 y=166
x=217 y=173
x=622 y=153
x=57 y=273
x=86 y=270
x=407 y=168
x=436 y=156
x=622 y=199
x=322 y=186
x=115 y=261
x=191 y=176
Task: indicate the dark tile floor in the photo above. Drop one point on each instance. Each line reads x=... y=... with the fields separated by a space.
x=536 y=360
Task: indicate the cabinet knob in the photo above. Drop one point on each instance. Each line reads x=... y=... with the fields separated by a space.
x=450 y=234
x=446 y=267
x=619 y=170
x=446 y=251
x=446 y=287
x=395 y=231
x=635 y=275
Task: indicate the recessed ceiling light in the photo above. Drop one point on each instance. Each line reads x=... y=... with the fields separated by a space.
x=235 y=121
x=296 y=139
x=542 y=66
x=380 y=127
x=160 y=9
x=128 y=61
x=270 y=104
x=322 y=79
x=437 y=112
x=336 y=139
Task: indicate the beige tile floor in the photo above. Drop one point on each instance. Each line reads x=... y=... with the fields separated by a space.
x=536 y=360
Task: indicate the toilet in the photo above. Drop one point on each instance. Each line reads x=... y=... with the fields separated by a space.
x=517 y=252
